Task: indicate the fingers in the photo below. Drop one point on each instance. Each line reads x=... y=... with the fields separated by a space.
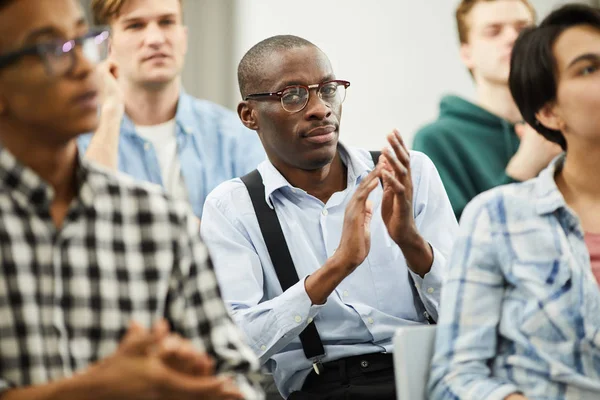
x=182 y=386
x=368 y=216
x=178 y=354
x=519 y=130
x=161 y=329
x=181 y=355
x=367 y=185
x=394 y=164
x=393 y=184
x=137 y=340
x=113 y=68
x=205 y=365
x=399 y=148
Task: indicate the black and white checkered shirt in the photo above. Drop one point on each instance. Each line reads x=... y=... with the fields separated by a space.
x=125 y=252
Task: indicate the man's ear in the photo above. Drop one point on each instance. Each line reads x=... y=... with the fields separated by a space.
x=465 y=56
x=247 y=115
x=550 y=118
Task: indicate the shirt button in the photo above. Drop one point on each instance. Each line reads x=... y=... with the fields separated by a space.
x=364 y=363
x=346 y=293
x=310 y=320
x=325 y=212
x=298 y=318
x=263 y=347
x=146 y=146
x=370 y=320
x=430 y=290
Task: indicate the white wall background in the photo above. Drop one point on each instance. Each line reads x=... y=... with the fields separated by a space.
x=400 y=56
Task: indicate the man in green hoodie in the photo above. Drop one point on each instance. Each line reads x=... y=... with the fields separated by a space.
x=476 y=147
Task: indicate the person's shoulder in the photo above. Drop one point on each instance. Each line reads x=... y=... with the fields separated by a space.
x=430 y=133
x=225 y=121
x=123 y=188
x=230 y=197
x=505 y=204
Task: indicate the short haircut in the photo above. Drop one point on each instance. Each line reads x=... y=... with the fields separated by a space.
x=104 y=11
x=465 y=7
x=533 y=70
x=251 y=66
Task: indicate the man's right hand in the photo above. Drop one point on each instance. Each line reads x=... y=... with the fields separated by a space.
x=534 y=154
x=138 y=369
x=354 y=245
x=355 y=242
x=111 y=95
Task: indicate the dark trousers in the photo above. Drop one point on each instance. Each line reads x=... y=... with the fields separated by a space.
x=368 y=376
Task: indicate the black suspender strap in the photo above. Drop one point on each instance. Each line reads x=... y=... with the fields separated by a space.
x=281 y=259
x=284 y=265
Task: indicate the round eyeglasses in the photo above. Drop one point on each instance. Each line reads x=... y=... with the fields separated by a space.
x=295 y=98
x=59 y=56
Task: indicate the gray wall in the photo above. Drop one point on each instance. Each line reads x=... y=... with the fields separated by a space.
x=215 y=37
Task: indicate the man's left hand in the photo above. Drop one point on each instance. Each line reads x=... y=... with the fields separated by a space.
x=397 y=207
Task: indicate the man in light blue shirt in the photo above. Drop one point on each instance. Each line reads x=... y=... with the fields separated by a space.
x=150 y=128
x=357 y=246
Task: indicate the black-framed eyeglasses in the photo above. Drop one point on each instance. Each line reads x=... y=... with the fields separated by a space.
x=59 y=56
x=295 y=98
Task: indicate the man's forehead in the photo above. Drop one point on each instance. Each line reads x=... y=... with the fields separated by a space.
x=298 y=65
x=140 y=9
x=499 y=12
x=23 y=18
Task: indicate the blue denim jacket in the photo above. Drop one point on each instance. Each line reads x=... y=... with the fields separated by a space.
x=213 y=147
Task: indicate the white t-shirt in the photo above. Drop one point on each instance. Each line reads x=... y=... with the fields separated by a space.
x=164 y=140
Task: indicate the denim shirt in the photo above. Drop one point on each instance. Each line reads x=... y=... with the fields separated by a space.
x=212 y=143
x=520 y=310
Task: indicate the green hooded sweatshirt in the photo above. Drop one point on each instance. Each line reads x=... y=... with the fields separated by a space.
x=470 y=148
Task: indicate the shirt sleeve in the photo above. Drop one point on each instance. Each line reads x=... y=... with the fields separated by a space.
x=269 y=325
x=471 y=306
x=436 y=223
x=196 y=311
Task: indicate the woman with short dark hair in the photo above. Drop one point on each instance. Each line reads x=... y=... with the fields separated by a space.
x=520 y=310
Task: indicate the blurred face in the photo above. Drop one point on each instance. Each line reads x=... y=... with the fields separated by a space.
x=32 y=100
x=493 y=28
x=149 y=41
x=306 y=139
x=576 y=111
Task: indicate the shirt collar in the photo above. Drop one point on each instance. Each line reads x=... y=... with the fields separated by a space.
x=547 y=196
x=184 y=116
x=274 y=180
x=30 y=190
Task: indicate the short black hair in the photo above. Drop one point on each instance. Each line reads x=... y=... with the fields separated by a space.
x=251 y=65
x=533 y=70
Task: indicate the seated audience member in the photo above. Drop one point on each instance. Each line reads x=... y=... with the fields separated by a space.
x=520 y=311
x=363 y=258
x=150 y=127
x=84 y=253
x=478 y=146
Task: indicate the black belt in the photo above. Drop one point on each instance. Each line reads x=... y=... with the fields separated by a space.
x=350 y=367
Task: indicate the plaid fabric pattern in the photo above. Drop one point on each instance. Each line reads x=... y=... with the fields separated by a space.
x=125 y=252
x=520 y=309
